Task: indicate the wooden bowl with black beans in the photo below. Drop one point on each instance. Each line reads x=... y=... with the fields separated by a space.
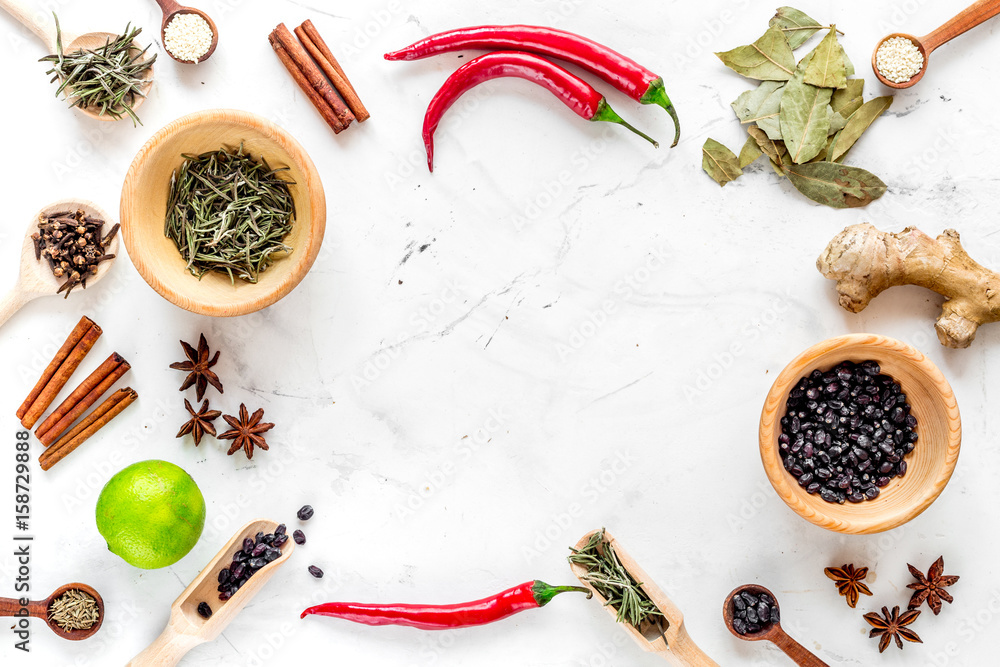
x=860 y=434
x=145 y=205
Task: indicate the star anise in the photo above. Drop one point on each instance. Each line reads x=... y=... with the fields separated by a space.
x=200 y=422
x=199 y=368
x=891 y=626
x=931 y=587
x=246 y=431
x=850 y=582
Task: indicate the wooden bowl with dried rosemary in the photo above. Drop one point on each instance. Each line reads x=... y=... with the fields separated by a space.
x=74 y=611
x=223 y=212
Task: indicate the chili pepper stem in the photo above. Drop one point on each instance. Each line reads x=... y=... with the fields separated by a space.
x=657 y=94
x=606 y=113
x=544 y=593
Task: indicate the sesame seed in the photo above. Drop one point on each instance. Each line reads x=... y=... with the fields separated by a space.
x=188 y=37
x=898 y=59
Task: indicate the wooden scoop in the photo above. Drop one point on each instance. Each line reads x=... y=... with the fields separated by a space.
x=40 y=609
x=773 y=632
x=186 y=627
x=965 y=20
x=170 y=10
x=679 y=648
x=35 y=278
x=28 y=16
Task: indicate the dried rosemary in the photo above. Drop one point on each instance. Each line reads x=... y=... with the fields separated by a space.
x=609 y=577
x=74 y=610
x=229 y=213
x=107 y=80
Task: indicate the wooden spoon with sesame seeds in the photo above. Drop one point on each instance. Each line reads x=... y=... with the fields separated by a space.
x=965 y=20
x=172 y=9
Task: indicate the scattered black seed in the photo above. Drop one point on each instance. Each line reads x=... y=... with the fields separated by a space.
x=299 y=537
x=315 y=571
x=305 y=513
x=846 y=432
x=204 y=610
x=752 y=613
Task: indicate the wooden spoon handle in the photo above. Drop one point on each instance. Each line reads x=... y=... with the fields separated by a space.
x=796 y=651
x=12 y=607
x=13 y=301
x=965 y=20
x=168 y=6
x=166 y=650
x=29 y=18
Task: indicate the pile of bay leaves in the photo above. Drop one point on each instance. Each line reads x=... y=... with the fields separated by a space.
x=804 y=117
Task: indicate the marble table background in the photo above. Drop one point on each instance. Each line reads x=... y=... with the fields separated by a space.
x=561 y=329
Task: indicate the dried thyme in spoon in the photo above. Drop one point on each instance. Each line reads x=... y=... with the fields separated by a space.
x=229 y=213
x=609 y=577
x=107 y=80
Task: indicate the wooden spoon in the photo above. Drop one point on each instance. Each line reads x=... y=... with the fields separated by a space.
x=27 y=16
x=965 y=20
x=186 y=627
x=773 y=632
x=674 y=644
x=35 y=278
x=40 y=609
x=170 y=10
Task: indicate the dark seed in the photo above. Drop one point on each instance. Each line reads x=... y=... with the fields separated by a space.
x=204 y=610
x=315 y=571
x=225 y=595
x=223 y=575
x=238 y=571
x=299 y=537
x=257 y=563
x=752 y=615
x=247 y=545
x=740 y=626
x=305 y=513
x=258 y=550
x=280 y=530
x=739 y=603
x=763 y=612
x=279 y=541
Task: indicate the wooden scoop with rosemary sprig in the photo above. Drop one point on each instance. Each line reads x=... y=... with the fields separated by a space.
x=629 y=595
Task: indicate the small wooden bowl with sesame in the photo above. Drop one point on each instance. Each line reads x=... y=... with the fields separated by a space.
x=188 y=26
x=930 y=464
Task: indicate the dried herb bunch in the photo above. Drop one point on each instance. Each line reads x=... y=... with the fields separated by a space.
x=609 y=577
x=74 y=610
x=73 y=245
x=229 y=213
x=107 y=80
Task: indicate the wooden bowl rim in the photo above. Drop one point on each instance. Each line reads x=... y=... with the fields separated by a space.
x=814 y=510
x=304 y=257
x=76 y=635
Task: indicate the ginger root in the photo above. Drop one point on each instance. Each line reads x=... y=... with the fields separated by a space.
x=865 y=261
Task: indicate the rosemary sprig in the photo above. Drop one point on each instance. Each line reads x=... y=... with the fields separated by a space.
x=108 y=80
x=609 y=577
x=229 y=213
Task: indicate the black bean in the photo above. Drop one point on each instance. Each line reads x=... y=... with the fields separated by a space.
x=739 y=604
x=258 y=550
x=315 y=571
x=753 y=628
x=225 y=595
x=775 y=616
x=204 y=610
x=749 y=599
x=305 y=513
x=279 y=540
x=247 y=545
x=238 y=571
x=280 y=530
x=752 y=615
x=259 y=537
x=223 y=575
x=740 y=625
x=257 y=563
x=272 y=555
x=299 y=537
x=763 y=612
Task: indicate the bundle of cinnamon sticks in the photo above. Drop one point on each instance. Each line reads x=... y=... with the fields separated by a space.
x=319 y=75
x=55 y=376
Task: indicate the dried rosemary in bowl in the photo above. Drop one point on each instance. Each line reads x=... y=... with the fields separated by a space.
x=230 y=213
x=74 y=610
x=107 y=80
x=609 y=577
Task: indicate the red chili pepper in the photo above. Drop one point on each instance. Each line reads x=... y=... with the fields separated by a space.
x=621 y=72
x=574 y=92
x=442 y=617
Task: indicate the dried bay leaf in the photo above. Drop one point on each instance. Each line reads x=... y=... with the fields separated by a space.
x=761 y=102
x=837 y=121
x=775 y=150
x=719 y=162
x=859 y=121
x=795 y=24
x=848 y=65
x=750 y=152
x=836 y=185
x=803 y=115
x=768 y=59
x=771 y=126
x=826 y=68
x=778 y=169
x=846 y=101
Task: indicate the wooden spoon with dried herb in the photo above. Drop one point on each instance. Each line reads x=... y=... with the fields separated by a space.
x=631 y=597
x=74 y=611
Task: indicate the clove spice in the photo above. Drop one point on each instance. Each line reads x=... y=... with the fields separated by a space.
x=73 y=246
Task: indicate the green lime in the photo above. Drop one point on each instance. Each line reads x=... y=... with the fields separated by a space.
x=151 y=514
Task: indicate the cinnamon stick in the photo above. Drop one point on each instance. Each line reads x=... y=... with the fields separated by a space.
x=93 y=423
x=91 y=389
x=321 y=53
x=57 y=373
x=303 y=63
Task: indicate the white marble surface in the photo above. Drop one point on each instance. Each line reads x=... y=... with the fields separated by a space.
x=488 y=362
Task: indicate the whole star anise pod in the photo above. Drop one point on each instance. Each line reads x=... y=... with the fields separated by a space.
x=199 y=368
x=200 y=422
x=931 y=587
x=246 y=431
x=850 y=582
x=891 y=626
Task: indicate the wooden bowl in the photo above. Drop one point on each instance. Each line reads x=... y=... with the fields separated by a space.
x=144 y=206
x=929 y=465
